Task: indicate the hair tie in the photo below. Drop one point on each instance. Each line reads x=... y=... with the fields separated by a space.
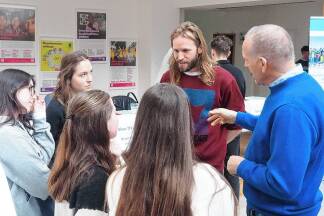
x=70 y=116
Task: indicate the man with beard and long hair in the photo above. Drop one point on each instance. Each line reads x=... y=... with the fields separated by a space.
x=207 y=87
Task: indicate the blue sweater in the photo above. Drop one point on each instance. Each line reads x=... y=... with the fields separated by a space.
x=284 y=162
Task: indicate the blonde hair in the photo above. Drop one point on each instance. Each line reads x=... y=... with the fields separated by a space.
x=191 y=31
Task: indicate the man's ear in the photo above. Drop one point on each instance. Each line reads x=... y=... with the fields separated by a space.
x=263 y=64
x=212 y=52
x=228 y=54
x=199 y=50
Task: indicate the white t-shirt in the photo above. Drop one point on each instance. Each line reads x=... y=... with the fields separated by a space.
x=210 y=196
x=6 y=204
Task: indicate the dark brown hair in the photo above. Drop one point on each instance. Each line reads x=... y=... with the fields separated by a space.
x=11 y=80
x=221 y=44
x=84 y=143
x=69 y=62
x=191 y=31
x=159 y=175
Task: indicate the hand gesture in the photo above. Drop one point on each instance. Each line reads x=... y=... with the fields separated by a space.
x=39 y=104
x=221 y=116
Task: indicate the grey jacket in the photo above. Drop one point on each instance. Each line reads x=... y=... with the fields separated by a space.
x=24 y=155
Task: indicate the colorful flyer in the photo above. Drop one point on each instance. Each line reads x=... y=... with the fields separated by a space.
x=316 y=49
x=51 y=53
x=17 y=34
x=122 y=53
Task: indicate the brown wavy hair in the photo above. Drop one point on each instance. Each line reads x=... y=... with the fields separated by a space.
x=84 y=143
x=159 y=175
x=191 y=31
x=69 y=62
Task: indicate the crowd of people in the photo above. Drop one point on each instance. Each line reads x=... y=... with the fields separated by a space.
x=183 y=158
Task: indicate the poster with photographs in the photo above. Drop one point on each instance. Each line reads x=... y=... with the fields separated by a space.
x=123 y=65
x=123 y=53
x=52 y=52
x=91 y=35
x=17 y=34
x=316 y=49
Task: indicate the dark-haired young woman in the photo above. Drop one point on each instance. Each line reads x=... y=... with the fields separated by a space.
x=161 y=176
x=83 y=160
x=26 y=144
x=75 y=76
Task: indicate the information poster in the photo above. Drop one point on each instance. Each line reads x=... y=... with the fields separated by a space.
x=316 y=49
x=17 y=34
x=123 y=53
x=123 y=64
x=52 y=52
x=91 y=35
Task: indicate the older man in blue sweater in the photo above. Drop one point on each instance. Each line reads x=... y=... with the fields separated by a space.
x=284 y=162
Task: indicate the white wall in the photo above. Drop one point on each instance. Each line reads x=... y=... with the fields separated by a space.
x=157 y=19
x=228 y=3
x=293 y=17
x=151 y=22
x=57 y=18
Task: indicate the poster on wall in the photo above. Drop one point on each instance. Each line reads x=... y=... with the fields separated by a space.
x=17 y=34
x=122 y=53
x=48 y=85
x=91 y=35
x=316 y=49
x=52 y=52
x=123 y=64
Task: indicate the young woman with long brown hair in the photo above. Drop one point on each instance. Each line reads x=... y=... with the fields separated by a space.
x=83 y=161
x=75 y=76
x=161 y=177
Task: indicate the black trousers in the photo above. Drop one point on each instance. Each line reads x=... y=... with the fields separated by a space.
x=233 y=148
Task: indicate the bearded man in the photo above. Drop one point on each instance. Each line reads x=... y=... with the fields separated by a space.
x=207 y=88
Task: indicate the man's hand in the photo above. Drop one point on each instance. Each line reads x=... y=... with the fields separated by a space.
x=232 y=164
x=221 y=116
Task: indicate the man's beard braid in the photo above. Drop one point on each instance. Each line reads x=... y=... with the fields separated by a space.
x=192 y=65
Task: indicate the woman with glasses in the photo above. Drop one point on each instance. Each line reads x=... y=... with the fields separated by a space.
x=75 y=76
x=26 y=143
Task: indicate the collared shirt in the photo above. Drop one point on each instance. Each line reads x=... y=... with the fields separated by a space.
x=291 y=73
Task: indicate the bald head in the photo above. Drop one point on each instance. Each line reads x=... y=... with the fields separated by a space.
x=271 y=42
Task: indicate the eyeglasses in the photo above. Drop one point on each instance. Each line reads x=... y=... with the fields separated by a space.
x=32 y=90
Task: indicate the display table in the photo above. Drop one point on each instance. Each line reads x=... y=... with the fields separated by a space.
x=253 y=105
x=124 y=133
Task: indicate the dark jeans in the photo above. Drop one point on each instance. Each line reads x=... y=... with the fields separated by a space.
x=46 y=206
x=253 y=212
x=233 y=148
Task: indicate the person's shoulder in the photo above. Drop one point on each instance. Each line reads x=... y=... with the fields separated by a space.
x=300 y=61
x=166 y=77
x=98 y=175
x=117 y=176
x=205 y=174
x=55 y=106
x=222 y=75
x=10 y=130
